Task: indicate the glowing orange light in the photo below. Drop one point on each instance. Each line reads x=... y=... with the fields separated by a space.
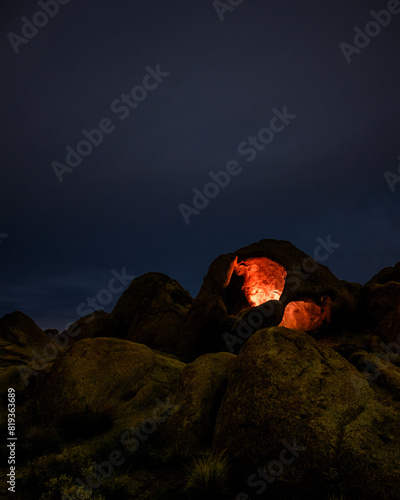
x=307 y=315
x=264 y=279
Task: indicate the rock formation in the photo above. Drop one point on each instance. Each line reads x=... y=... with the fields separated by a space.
x=278 y=378
x=152 y=311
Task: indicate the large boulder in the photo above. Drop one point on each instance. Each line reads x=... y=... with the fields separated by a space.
x=380 y=369
x=104 y=382
x=26 y=352
x=152 y=311
x=293 y=289
x=87 y=327
x=288 y=389
x=348 y=342
x=201 y=387
x=378 y=310
x=387 y=274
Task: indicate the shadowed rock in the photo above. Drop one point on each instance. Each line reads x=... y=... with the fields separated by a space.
x=26 y=352
x=201 y=387
x=87 y=327
x=152 y=311
x=285 y=386
x=378 y=310
x=101 y=382
x=387 y=274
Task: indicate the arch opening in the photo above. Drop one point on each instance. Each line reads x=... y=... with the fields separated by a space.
x=254 y=281
x=307 y=315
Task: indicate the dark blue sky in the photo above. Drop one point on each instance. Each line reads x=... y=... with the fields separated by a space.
x=322 y=175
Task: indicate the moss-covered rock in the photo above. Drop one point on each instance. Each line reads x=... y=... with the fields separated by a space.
x=370 y=452
x=26 y=353
x=378 y=369
x=201 y=387
x=87 y=327
x=347 y=342
x=106 y=382
x=285 y=386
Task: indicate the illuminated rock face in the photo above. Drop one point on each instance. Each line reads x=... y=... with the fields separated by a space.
x=307 y=315
x=257 y=280
x=247 y=290
x=264 y=280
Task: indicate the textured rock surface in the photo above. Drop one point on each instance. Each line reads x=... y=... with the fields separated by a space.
x=379 y=369
x=386 y=275
x=87 y=327
x=201 y=388
x=378 y=310
x=111 y=381
x=26 y=352
x=19 y=335
x=152 y=311
x=323 y=396
x=224 y=295
x=285 y=386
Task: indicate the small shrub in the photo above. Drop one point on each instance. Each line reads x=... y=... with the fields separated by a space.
x=208 y=477
x=118 y=487
x=68 y=463
x=63 y=487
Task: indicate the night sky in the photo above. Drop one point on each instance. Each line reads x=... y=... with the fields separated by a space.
x=213 y=85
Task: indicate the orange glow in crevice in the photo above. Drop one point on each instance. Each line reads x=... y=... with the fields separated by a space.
x=307 y=315
x=264 y=279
